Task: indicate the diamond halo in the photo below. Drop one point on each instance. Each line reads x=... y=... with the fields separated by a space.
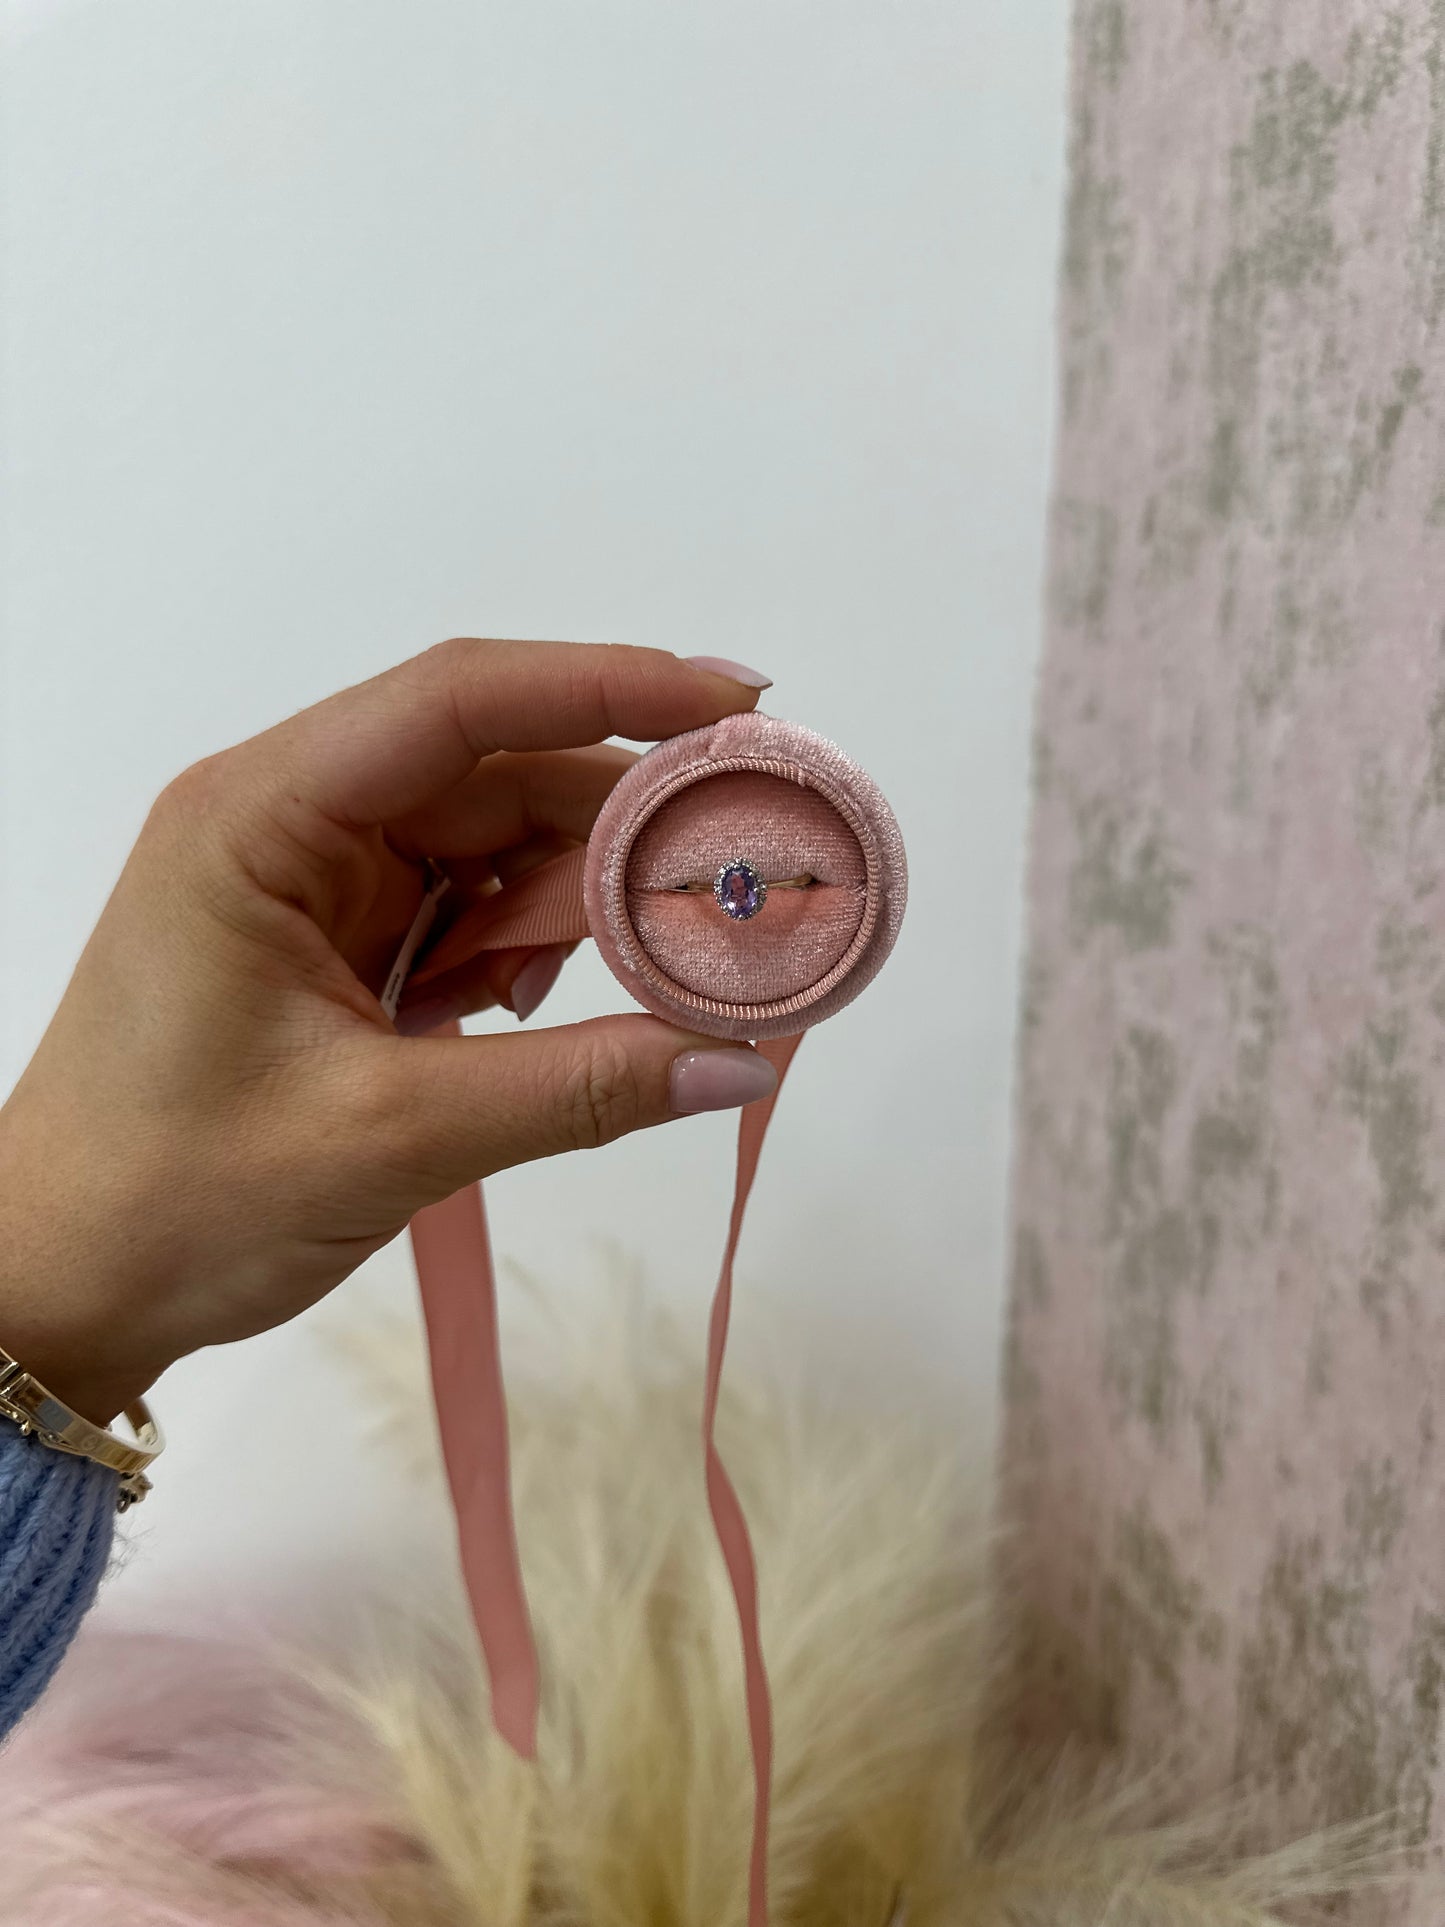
x=739 y=889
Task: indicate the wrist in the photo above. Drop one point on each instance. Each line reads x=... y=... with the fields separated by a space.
x=67 y=1250
x=66 y=1345
x=95 y=1393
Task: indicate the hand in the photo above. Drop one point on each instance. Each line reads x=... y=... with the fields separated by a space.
x=220 y=1122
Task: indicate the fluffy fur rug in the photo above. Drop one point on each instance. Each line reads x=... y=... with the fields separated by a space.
x=172 y=1783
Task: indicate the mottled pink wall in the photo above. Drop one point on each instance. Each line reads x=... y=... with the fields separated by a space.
x=1226 y=1428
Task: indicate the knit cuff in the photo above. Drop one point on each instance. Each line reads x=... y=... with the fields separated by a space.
x=57 y=1524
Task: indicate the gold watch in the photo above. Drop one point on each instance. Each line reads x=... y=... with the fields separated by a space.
x=41 y=1415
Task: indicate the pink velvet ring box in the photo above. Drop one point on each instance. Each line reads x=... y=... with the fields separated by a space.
x=745 y=880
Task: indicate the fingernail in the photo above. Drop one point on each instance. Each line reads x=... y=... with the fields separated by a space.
x=427 y=1013
x=719 y=1080
x=734 y=671
x=535 y=979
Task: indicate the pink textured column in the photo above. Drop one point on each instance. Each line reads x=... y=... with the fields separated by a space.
x=1226 y=1428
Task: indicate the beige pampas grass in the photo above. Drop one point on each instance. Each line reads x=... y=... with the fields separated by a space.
x=889 y=1806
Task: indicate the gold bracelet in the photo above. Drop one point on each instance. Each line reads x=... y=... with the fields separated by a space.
x=41 y=1415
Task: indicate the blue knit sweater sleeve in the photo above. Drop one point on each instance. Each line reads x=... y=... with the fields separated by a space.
x=57 y=1522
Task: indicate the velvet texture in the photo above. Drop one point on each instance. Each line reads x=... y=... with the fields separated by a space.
x=790 y=803
x=782 y=830
x=1226 y=1434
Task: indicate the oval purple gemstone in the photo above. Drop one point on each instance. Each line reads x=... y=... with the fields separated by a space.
x=740 y=890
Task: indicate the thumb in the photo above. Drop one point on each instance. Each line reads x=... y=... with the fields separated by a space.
x=475 y=1105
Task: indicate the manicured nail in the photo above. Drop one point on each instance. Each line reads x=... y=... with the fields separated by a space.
x=719 y=1080
x=734 y=671
x=535 y=979
x=427 y=1013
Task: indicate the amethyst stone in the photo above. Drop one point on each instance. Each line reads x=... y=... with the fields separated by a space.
x=739 y=889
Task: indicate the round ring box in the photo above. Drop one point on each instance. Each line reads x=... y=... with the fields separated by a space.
x=745 y=880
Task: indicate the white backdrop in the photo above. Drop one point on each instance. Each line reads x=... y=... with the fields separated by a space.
x=334 y=327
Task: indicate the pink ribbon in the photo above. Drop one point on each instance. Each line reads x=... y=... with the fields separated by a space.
x=459 y=1301
x=458 y=1293
x=727 y=1512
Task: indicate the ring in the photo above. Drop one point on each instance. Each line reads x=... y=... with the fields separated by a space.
x=739 y=889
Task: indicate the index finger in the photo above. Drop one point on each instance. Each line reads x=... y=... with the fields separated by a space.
x=388 y=746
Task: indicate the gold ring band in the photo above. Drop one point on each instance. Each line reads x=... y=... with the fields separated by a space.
x=704 y=887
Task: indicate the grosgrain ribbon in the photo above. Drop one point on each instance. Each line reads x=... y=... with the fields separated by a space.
x=459 y=1302
x=728 y=1518
x=458 y=1294
x=544 y=906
